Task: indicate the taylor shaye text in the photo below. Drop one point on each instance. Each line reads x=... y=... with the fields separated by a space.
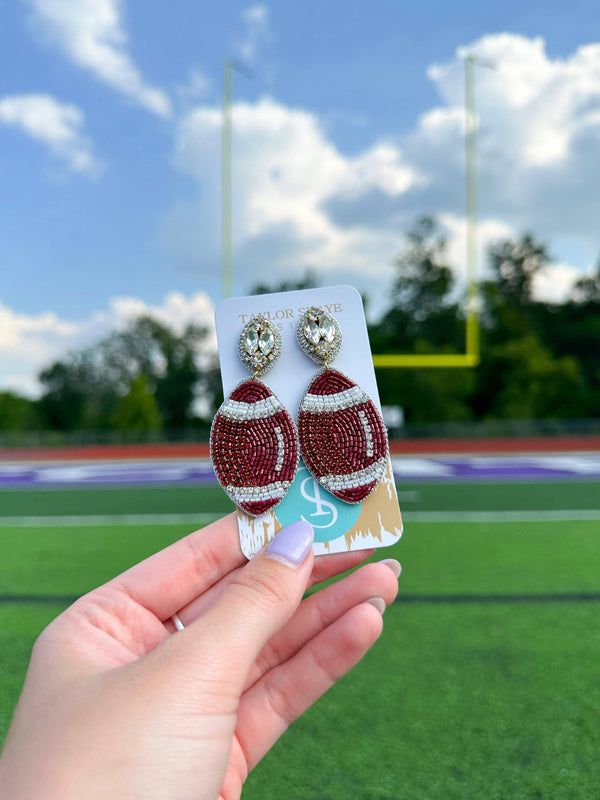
x=290 y=313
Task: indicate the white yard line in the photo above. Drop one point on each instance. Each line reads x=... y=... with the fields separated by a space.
x=558 y=515
x=77 y=521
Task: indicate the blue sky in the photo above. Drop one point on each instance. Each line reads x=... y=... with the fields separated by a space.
x=350 y=127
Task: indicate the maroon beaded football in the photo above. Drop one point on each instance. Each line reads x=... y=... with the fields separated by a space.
x=254 y=447
x=343 y=440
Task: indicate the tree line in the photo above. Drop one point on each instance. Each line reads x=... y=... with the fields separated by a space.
x=145 y=378
x=539 y=360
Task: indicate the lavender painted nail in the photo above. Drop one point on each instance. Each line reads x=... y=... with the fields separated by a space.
x=378 y=602
x=394 y=565
x=292 y=543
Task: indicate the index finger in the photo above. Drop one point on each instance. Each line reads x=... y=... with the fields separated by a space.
x=170 y=579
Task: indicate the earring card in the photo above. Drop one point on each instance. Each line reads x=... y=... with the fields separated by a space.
x=338 y=526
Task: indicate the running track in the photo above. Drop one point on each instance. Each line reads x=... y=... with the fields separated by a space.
x=561 y=466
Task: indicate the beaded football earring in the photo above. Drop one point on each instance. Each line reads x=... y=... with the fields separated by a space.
x=253 y=440
x=343 y=440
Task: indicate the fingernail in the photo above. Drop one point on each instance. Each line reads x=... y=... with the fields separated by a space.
x=378 y=602
x=292 y=544
x=394 y=565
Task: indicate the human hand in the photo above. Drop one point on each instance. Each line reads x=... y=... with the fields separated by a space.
x=116 y=704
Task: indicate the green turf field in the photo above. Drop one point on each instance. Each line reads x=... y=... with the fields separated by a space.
x=485 y=681
x=414 y=497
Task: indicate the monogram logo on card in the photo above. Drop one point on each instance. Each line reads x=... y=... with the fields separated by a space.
x=311 y=491
x=307 y=500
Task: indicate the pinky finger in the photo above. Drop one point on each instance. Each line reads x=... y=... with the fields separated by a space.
x=286 y=691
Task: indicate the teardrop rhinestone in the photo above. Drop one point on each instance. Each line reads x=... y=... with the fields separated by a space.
x=252 y=340
x=266 y=341
x=327 y=329
x=312 y=331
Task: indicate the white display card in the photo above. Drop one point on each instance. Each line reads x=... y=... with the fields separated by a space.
x=339 y=527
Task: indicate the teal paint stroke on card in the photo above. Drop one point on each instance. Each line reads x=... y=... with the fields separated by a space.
x=307 y=500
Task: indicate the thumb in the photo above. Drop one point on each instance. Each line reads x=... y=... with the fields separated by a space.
x=256 y=604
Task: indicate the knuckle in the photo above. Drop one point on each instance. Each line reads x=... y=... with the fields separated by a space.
x=204 y=560
x=323 y=610
x=263 y=591
x=281 y=695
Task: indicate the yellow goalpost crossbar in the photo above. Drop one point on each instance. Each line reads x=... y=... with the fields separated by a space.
x=470 y=358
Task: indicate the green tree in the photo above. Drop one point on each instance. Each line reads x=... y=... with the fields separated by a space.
x=76 y=393
x=137 y=411
x=424 y=279
x=539 y=360
x=428 y=395
x=508 y=307
x=529 y=383
x=515 y=264
x=586 y=290
x=422 y=313
x=568 y=330
x=176 y=369
x=17 y=413
x=84 y=390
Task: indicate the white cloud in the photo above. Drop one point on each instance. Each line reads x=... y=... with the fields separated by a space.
x=256 y=30
x=176 y=311
x=197 y=88
x=29 y=332
x=539 y=134
x=378 y=168
x=91 y=33
x=286 y=173
x=29 y=343
x=554 y=282
x=24 y=385
x=57 y=125
x=487 y=232
x=300 y=202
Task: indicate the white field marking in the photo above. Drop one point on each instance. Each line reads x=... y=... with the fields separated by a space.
x=545 y=515
x=106 y=519
x=575 y=463
x=409 y=497
x=415 y=468
x=558 y=515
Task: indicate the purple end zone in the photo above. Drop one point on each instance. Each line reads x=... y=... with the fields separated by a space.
x=562 y=466
x=105 y=474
